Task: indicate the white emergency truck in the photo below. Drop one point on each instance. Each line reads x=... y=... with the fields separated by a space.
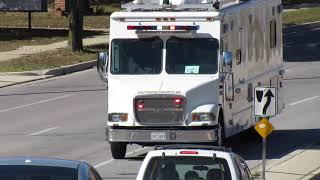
x=184 y=71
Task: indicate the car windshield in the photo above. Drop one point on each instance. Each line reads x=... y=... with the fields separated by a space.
x=187 y=168
x=191 y=56
x=15 y=172
x=136 y=56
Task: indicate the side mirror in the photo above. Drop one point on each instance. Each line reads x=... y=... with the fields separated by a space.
x=102 y=65
x=227 y=57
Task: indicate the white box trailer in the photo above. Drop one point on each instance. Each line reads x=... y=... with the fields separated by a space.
x=184 y=71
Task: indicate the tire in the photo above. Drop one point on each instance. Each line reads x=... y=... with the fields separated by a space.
x=221 y=134
x=118 y=150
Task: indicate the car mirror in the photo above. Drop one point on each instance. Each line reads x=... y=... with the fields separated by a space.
x=102 y=65
x=227 y=57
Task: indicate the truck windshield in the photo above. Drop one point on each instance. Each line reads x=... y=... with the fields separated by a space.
x=187 y=168
x=136 y=56
x=192 y=56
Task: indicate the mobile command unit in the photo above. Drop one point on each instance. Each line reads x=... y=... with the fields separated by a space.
x=184 y=71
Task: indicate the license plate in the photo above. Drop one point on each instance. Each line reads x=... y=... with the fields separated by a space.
x=158 y=136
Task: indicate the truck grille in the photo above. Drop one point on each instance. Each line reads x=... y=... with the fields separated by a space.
x=159 y=109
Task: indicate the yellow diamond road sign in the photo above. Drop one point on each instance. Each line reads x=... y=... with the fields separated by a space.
x=264 y=127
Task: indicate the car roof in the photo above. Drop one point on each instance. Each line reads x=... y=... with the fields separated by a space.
x=189 y=152
x=191 y=149
x=40 y=162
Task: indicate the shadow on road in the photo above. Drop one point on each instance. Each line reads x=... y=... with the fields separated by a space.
x=301 y=43
x=279 y=143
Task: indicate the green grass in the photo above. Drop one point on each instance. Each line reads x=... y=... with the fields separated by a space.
x=18 y=19
x=301 y=16
x=7 y=45
x=104 y=9
x=51 y=59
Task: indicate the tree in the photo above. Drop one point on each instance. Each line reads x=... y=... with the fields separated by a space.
x=75 y=25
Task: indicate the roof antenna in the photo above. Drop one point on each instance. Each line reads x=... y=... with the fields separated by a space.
x=214 y=156
x=216 y=4
x=162 y=160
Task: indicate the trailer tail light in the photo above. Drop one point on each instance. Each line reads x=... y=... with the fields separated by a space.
x=164 y=28
x=178 y=101
x=188 y=152
x=139 y=105
x=180 y=28
x=141 y=27
x=172 y=28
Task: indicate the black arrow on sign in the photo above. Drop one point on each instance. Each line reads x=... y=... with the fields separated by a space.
x=269 y=95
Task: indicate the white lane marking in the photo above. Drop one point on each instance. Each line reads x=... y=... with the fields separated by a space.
x=303 y=100
x=110 y=160
x=39 y=102
x=103 y=163
x=43 y=131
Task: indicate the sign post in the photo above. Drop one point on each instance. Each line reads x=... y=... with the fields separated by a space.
x=264 y=107
x=264 y=128
x=264 y=154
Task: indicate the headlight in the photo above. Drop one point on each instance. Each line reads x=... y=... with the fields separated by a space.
x=117 y=117
x=203 y=117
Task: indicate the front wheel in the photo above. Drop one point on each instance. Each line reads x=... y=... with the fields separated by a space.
x=118 y=150
x=221 y=131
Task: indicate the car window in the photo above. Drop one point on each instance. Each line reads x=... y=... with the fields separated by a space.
x=187 y=168
x=91 y=175
x=96 y=174
x=237 y=168
x=14 y=172
x=245 y=175
x=247 y=170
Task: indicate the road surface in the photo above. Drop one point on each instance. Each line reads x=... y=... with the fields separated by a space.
x=64 y=117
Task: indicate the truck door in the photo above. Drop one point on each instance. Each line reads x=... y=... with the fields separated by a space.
x=228 y=92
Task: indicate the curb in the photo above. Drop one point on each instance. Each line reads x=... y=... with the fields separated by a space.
x=70 y=68
x=50 y=72
x=302 y=24
x=55 y=71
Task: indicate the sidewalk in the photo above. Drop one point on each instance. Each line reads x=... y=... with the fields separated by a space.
x=302 y=164
x=28 y=50
x=7 y=79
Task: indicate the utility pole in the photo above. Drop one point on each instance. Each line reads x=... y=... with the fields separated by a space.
x=75 y=25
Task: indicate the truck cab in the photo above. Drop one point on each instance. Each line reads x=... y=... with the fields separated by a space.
x=170 y=75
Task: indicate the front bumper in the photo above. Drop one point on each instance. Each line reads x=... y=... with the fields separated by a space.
x=132 y=135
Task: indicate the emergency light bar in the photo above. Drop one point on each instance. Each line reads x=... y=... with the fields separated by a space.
x=141 y=27
x=166 y=28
